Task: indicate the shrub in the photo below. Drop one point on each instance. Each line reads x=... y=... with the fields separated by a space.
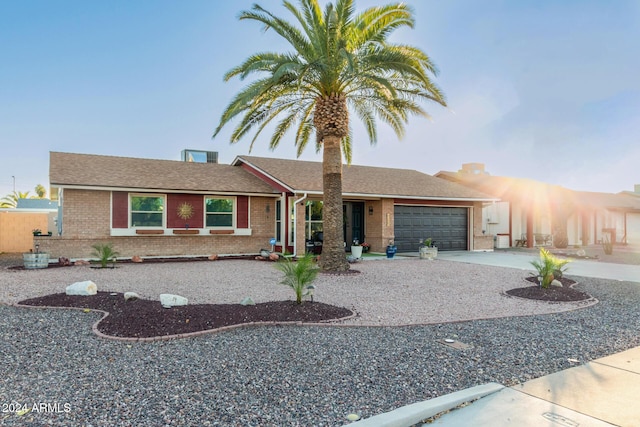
x=105 y=253
x=298 y=275
x=549 y=267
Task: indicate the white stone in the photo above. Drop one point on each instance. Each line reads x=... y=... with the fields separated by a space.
x=248 y=301
x=170 y=300
x=82 y=288
x=556 y=283
x=131 y=296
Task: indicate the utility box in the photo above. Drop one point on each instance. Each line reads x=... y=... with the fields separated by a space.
x=502 y=241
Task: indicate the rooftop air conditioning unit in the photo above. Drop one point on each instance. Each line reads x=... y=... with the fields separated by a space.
x=199 y=156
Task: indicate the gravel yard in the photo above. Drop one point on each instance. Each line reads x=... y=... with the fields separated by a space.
x=295 y=376
x=395 y=292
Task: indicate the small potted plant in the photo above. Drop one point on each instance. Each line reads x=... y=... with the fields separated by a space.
x=36 y=231
x=356 y=249
x=428 y=250
x=365 y=247
x=391 y=249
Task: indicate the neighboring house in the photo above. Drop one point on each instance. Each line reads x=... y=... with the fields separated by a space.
x=152 y=207
x=532 y=213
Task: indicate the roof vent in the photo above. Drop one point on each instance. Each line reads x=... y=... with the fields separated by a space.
x=199 y=156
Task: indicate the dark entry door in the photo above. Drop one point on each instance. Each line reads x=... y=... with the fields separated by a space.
x=353 y=222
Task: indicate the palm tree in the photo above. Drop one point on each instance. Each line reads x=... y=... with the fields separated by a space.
x=40 y=191
x=340 y=61
x=11 y=200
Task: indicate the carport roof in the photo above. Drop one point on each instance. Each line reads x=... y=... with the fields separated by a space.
x=304 y=176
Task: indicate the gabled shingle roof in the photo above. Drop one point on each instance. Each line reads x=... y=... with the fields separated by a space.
x=608 y=200
x=512 y=189
x=503 y=187
x=305 y=176
x=88 y=170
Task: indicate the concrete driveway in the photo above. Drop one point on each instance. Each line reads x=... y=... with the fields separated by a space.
x=584 y=268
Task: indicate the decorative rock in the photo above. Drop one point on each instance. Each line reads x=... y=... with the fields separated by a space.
x=274 y=256
x=82 y=288
x=581 y=253
x=136 y=258
x=556 y=283
x=213 y=257
x=353 y=417
x=248 y=301
x=170 y=300
x=81 y=262
x=264 y=253
x=64 y=261
x=131 y=296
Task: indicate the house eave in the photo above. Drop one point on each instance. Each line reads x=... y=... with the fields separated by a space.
x=160 y=190
x=239 y=160
x=401 y=196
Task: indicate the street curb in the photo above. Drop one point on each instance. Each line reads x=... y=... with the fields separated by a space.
x=409 y=415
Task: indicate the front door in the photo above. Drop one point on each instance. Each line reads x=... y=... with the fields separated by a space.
x=353 y=222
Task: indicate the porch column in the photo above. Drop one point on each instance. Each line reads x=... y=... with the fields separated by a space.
x=530 y=241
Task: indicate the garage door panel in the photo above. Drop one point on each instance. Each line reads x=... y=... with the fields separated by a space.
x=446 y=226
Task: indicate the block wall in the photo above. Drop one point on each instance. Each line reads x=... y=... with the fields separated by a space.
x=16 y=229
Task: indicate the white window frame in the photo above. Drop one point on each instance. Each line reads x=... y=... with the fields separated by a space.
x=309 y=222
x=164 y=210
x=280 y=222
x=291 y=217
x=234 y=211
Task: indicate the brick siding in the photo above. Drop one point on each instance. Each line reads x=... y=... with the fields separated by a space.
x=86 y=222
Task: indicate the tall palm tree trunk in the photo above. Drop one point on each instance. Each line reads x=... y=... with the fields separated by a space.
x=333 y=257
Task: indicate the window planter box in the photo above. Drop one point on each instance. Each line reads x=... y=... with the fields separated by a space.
x=186 y=231
x=220 y=231
x=149 y=231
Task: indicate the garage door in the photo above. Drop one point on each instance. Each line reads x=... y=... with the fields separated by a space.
x=448 y=227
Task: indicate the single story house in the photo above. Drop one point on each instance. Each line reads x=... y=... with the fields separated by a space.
x=532 y=213
x=151 y=207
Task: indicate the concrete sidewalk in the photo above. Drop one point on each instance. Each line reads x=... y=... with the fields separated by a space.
x=603 y=392
x=597 y=269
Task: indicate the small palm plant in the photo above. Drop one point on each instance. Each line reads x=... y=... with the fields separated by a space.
x=105 y=253
x=298 y=275
x=549 y=267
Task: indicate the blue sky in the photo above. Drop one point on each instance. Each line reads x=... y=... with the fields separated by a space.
x=548 y=90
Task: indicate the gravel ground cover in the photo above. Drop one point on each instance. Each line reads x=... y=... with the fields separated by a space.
x=385 y=293
x=293 y=375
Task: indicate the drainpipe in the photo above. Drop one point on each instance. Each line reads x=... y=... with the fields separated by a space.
x=295 y=217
